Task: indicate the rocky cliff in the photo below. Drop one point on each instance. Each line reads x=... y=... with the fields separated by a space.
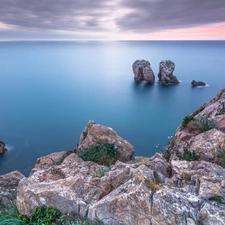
x=204 y=131
x=183 y=186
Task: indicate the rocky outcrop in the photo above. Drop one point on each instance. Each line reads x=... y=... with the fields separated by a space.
x=98 y=134
x=142 y=71
x=165 y=75
x=197 y=83
x=2 y=147
x=210 y=145
x=146 y=191
x=8 y=186
x=139 y=192
x=50 y=160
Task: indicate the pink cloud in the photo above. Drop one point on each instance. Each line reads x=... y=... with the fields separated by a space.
x=211 y=32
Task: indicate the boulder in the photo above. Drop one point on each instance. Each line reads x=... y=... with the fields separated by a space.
x=98 y=134
x=8 y=186
x=197 y=83
x=142 y=71
x=71 y=186
x=2 y=147
x=165 y=75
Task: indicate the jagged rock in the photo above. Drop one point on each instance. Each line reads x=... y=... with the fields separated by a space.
x=71 y=186
x=210 y=145
x=139 y=193
x=8 y=185
x=75 y=186
x=179 y=200
x=50 y=160
x=214 y=109
x=142 y=71
x=99 y=134
x=165 y=75
x=2 y=147
x=197 y=83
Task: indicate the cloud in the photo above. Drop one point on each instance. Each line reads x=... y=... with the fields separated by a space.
x=155 y=15
x=69 y=15
x=112 y=18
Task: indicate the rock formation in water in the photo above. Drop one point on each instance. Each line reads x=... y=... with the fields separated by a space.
x=143 y=191
x=2 y=147
x=197 y=83
x=8 y=186
x=165 y=75
x=143 y=71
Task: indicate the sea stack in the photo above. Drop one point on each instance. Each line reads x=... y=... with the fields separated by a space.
x=143 y=71
x=2 y=147
x=197 y=83
x=166 y=68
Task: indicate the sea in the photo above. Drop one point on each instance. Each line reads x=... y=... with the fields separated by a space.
x=49 y=90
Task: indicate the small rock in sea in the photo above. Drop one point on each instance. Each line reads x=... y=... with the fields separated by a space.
x=143 y=71
x=2 y=147
x=166 y=68
x=197 y=83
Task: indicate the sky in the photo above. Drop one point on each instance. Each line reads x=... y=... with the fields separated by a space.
x=112 y=19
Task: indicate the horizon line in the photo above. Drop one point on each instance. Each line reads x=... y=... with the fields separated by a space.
x=103 y=40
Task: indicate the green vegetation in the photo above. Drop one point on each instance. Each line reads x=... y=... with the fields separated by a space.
x=194 y=127
x=47 y=216
x=186 y=120
x=217 y=199
x=9 y=215
x=42 y=216
x=101 y=172
x=59 y=162
x=103 y=154
x=206 y=124
x=201 y=108
x=188 y=155
x=166 y=155
x=221 y=111
x=199 y=125
x=221 y=157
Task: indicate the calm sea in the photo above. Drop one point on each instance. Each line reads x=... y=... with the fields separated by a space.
x=50 y=90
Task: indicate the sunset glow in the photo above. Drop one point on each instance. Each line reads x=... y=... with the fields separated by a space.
x=117 y=20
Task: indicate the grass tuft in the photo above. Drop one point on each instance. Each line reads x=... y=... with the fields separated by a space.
x=188 y=155
x=103 y=154
x=217 y=199
x=186 y=120
x=43 y=216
